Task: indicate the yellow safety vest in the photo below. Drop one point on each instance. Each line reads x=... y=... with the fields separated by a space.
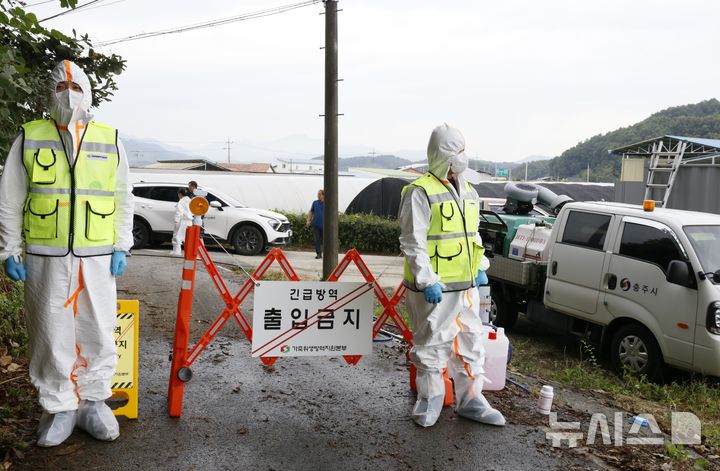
x=454 y=255
x=69 y=207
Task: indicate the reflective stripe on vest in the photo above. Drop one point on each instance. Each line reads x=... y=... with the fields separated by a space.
x=454 y=255
x=70 y=207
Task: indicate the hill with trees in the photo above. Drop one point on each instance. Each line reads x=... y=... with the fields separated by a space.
x=696 y=120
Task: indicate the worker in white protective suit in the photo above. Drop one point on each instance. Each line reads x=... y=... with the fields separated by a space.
x=444 y=264
x=183 y=219
x=64 y=192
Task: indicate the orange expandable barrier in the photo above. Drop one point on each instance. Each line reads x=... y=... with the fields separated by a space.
x=182 y=359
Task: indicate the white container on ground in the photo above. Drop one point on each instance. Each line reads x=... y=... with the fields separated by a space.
x=545 y=400
x=538 y=248
x=518 y=246
x=496 y=353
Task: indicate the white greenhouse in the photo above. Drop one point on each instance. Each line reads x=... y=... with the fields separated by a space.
x=286 y=192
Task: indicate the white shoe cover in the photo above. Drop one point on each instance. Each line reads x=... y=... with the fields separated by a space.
x=480 y=410
x=56 y=428
x=97 y=419
x=426 y=411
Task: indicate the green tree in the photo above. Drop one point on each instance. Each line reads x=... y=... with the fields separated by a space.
x=28 y=52
x=696 y=120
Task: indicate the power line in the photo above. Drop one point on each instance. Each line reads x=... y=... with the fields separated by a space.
x=39 y=3
x=213 y=23
x=65 y=12
x=105 y=5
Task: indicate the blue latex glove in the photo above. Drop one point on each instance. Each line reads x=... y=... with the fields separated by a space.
x=481 y=279
x=15 y=268
x=118 y=263
x=433 y=294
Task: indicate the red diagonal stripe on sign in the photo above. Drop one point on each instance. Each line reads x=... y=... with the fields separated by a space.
x=368 y=287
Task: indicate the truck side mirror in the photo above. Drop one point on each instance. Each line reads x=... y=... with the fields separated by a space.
x=679 y=273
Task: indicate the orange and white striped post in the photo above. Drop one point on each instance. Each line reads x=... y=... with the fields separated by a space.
x=178 y=374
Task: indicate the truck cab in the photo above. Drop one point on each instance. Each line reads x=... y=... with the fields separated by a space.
x=643 y=283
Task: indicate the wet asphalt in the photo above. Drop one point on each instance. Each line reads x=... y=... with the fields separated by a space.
x=303 y=413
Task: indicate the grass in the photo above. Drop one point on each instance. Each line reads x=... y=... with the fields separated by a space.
x=575 y=364
x=13 y=336
x=18 y=403
x=270 y=275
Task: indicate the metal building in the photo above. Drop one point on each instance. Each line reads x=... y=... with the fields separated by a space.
x=676 y=171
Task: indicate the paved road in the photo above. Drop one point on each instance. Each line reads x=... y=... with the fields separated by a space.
x=305 y=413
x=388 y=269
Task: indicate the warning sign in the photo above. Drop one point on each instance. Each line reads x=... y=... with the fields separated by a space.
x=312 y=318
x=124 y=382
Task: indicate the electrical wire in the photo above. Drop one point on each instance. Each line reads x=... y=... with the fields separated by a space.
x=39 y=3
x=104 y=5
x=213 y=23
x=65 y=12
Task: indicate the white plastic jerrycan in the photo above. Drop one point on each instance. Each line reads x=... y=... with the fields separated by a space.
x=496 y=355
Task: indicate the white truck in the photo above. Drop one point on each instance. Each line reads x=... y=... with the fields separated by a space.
x=642 y=283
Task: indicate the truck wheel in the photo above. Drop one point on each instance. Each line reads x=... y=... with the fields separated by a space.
x=248 y=240
x=141 y=234
x=503 y=313
x=634 y=348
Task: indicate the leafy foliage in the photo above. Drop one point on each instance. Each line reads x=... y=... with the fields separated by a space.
x=366 y=233
x=13 y=336
x=28 y=52
x=696 y=120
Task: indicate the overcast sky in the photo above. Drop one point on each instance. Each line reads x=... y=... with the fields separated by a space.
x=518 y=77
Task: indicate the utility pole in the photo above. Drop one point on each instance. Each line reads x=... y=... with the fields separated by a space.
x=330 y=215
x=588 y=173
x=227 y=147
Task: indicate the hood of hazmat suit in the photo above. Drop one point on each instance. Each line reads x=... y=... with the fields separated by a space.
x=446 y=148
x=69 y=105
x=446 y=151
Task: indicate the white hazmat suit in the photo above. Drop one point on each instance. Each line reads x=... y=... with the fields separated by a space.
x=446 y=334
x=70 y=302
x=183 y=219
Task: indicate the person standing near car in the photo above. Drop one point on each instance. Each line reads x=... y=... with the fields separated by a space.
x=64 y=193
x=183 y=219
x=191 y=188
x=315 y=218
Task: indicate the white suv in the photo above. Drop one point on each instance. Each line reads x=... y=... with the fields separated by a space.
x=248 y=230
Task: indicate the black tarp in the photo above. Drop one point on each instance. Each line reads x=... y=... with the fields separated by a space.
x=382 y=197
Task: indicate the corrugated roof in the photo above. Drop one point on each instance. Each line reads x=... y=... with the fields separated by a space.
x=174 y=165
x=249 y=168
x=181 y=161
x=194 y=164
x=697 y=146
x=700 y=141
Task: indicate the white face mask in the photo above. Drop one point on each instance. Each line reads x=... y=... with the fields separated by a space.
x=69 y=100
x=459 y=164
